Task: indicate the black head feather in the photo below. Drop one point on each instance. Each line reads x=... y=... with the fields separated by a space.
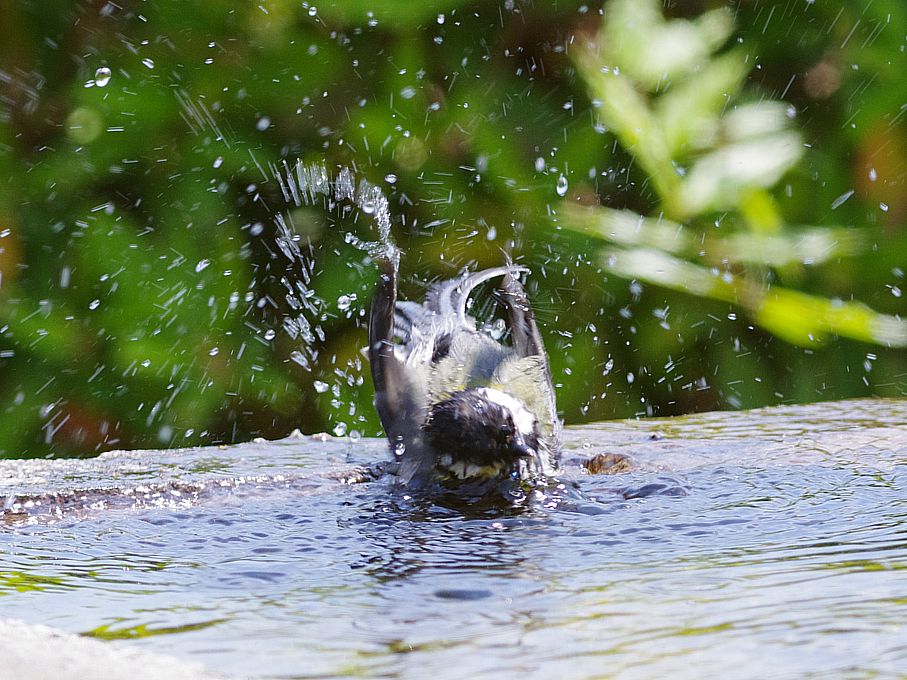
x=474 y=430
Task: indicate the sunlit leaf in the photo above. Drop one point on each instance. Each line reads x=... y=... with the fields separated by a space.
x=718 y=180
x=804 y=245
x=689 y=112
x=624 y=111
x=797 y=317
x=653 y=50
x=627 y=228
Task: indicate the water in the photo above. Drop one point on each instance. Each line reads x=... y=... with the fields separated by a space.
x=736 y=544
x=307 y=184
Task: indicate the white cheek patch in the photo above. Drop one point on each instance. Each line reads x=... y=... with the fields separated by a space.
x=522 y=418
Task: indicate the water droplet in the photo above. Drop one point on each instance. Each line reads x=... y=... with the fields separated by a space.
x=339 y=429
x=202 y=264
x=840 y=200
x=263 y=123
x=561 y=186
x=540 y=164
x=219 y=161
x=883 y=207
x=146 y=363
x=213 y=352
x=102 y=76
x=256 y=229
x=441 y=18
x=399 y=449
x=270 y=334
x=873 y=175
x=313 y=11
x=390 y=178
x=344 y=301
x=300 y=358
x=320 y=386
x=408 y=92
x=148 y=63
x=94 y=304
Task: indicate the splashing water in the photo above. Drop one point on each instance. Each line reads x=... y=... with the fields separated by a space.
x=313 y=185
x=306 y=185
x=301 y=184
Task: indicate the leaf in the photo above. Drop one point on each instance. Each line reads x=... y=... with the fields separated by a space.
x=799 y=318
x=804 y=246
x=689 y=111
x=652 y=50
x=719 y=179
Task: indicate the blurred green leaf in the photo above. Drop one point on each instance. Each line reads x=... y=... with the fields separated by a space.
x=652 y=50
x=804 y=245
x=797 y=317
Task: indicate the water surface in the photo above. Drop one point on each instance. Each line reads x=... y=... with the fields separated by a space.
x=743 y=544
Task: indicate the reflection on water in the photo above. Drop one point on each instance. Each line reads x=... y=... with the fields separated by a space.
x=772 y=545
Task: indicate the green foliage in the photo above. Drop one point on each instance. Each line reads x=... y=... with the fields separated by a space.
x=711 y=204
x=674 y=109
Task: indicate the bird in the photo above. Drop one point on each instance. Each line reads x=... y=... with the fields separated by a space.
x=457 y=405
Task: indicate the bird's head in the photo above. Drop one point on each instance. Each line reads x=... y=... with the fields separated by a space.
x=481 y=432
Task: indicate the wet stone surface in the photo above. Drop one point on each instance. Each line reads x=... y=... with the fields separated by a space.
x=711 y=543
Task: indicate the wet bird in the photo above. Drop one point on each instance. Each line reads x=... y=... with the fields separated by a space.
x=456 y=404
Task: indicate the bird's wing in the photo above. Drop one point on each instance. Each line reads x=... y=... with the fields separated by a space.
x=448 y=298
x=527 y=343
x=526 y=379
x=397 y=398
